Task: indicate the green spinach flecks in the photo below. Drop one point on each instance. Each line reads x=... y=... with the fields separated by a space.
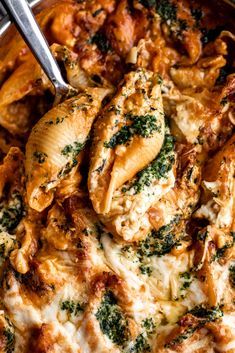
x=207 y=314
x=101 y=42
x=141 y=344
x=159 y=242
x=11 y=212
x=10 y=340
x=156 y=170
x=67 y=168
x=220 y=252
x=204 y=315
x=72 y=150
x=167 y=10
x=113 y=322
x=72 y=307
x=40 y=157
x=141 y=125
x=145 y=270
x=187 y=280
x=232 y=275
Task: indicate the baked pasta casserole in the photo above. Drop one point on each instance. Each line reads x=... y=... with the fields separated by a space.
x=117 y=206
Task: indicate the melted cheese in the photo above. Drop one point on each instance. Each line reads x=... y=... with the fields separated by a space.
x=66 y=257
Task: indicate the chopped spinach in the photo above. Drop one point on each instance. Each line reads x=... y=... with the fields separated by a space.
x=10 y=340
x=112 y=321
x=72 y=307
x=167 y=10
x=220 y=252
x=67 y=168
x=182 y=337
x=11 y=213
x=149 y=325
x=101 y=41
x=186 y=276
x=101 y=167
x=2 y=250
x=207 y=314
x=159 y=242
x=142 y=125
x=145 y=270
x=141 y=345
x=73 y=149
x=70 y=151
x=158 y=169
x=40 y=156
x=232 y=275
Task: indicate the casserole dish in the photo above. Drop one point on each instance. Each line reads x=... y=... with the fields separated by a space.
x=117 y=207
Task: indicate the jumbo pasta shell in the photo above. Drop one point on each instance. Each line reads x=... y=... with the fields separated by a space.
x=55 y=143
x=128 y=136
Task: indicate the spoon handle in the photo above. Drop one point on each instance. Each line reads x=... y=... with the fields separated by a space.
x=24 y=20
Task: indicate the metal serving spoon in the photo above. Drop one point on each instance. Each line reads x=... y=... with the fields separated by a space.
x=22 y=16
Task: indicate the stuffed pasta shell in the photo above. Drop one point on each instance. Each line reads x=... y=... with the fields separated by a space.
x=55 y=142
x=127 y=137
x=128 y=216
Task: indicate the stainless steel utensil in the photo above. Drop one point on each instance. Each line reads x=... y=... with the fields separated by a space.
x=22 y=16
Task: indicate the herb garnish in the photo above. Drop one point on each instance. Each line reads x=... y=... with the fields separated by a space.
x=72 y=307
x=220 y=252
x=141 y=345
x=182 y=337
x=232 y=275
x=142 y=125
x=11 y=214
x=149 y=325
x=205 y=315
x=186 y=276
x=145 y=270
x=101 y=41
x=167 y=10
x=10 y=340
x=40 y=156
x=159 y=242
x=158 y=169
x=72 y=149
x=111 y=319
x=67 y=168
